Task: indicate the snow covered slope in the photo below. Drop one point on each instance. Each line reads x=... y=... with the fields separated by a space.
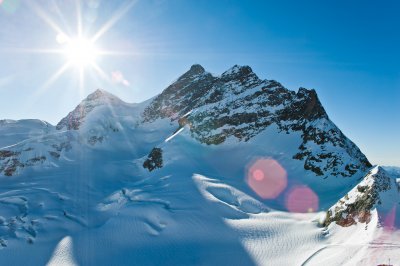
x=393 y=171
x=98 y=98
x=215 y=170
x=14 y=131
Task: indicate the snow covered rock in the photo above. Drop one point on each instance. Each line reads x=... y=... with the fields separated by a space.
x=240 y=105
x=376 y=191
x=154 y=160
x=75 y=118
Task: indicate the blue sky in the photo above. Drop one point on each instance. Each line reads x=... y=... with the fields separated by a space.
x=347 y=50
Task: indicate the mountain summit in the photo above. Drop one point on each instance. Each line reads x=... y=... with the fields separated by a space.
x=98 y=98
x=239 y=104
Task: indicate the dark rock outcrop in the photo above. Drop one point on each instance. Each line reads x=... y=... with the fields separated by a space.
x=154 y=160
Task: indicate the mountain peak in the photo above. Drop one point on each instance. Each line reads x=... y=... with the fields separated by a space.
x=75 y=118
x=197 y=69
x=194 y=71
x=238 y=104
x=238 y=70
x=101 y=95
x=313 y=106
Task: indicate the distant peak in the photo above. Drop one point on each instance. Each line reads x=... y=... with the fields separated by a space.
x=197 y=69
x=237 y=70
x=97 y=98
x=194 y=70
x=101 y=94
x=100 y=91
x=304 y=91
x=377 y=169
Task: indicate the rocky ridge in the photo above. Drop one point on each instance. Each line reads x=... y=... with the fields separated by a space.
x=238 y=104
x=376 y=189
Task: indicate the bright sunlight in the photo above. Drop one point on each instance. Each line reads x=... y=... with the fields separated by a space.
x=80 y=52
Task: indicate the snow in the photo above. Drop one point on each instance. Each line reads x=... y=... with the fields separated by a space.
x=97 y=205
x=63 y=254
x=174 y=135
x=14 y=131
x=358 y=245
x=394 y=171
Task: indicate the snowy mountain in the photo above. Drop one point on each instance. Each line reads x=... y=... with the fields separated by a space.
x=238 y=104
x=227 y=169
x=75 y=118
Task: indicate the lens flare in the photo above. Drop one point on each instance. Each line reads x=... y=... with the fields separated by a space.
x=118 y=78
x=390 y=219
x=258 y=175
x=302 y=199
x=10 y=6
x=267 y=178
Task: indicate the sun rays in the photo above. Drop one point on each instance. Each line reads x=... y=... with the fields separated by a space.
x=114 y=19
x=79 y=49
x=76 y=53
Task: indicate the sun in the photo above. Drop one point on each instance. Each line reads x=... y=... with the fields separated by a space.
x=80 y=52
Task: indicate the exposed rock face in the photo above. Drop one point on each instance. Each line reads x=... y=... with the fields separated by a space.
x=181 y=96
x=238 y=104
x=357 y=205
x=154 y=160
x=22 y=156
x=10 y=161
x=75 y=118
